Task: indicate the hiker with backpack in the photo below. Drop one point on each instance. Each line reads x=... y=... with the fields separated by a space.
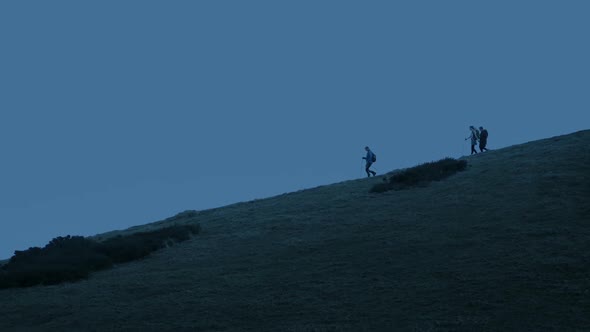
x=483 y=139
x=370 y=158
x=474 y=138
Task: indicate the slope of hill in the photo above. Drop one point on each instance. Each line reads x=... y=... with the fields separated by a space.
x=501 y=246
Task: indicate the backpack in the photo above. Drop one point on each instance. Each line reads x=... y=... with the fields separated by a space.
x=484 y=134
x=374 y=158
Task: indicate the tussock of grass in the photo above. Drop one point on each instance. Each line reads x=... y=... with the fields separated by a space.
x=71 y=258
x=421 y=174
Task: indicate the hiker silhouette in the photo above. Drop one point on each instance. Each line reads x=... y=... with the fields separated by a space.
x=483 y=139
x=370 y=158
x=474 y=138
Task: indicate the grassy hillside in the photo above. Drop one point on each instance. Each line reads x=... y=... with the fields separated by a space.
x=502 y=246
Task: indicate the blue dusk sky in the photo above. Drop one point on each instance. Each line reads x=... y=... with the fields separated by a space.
x=120 y=113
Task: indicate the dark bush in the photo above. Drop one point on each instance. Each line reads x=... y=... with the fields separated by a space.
x=138 y=245
x=422 y=174
x=127 y=248
x=62 y=259
x=73 y=258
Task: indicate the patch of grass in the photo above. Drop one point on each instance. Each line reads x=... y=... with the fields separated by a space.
x=71 y=258
x=421 y=174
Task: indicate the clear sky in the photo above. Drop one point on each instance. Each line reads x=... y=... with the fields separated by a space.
x=119 y=113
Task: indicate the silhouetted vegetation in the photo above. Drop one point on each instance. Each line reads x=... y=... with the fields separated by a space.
x=138 y=245
x=72 y=258
x=422 y=174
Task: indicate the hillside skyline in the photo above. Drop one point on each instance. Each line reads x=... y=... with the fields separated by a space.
x=499 y=246
x=380 y=176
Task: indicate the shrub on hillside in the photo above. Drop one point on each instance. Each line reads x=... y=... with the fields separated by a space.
x=422 y=174
x=63 y=259
x=73 y=258
x=138 y=245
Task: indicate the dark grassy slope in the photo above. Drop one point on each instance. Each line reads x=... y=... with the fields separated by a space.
x=501 y=246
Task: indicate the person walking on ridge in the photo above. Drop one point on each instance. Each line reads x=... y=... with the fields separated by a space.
x=370 y=159
x=483 y=139
x=474 y=137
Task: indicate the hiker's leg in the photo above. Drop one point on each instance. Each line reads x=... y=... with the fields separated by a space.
x=482 y=145
x=368 y=170
x=372 y=172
